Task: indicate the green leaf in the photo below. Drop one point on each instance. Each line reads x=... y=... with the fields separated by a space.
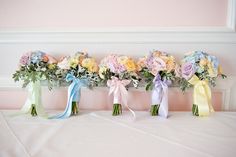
x=149 y=86
x=223 y=76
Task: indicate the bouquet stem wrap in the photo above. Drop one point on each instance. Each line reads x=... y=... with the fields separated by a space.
x=120 y=93
x=202 y=105
x=74 y=92
x=33 y=103
x=160 y=97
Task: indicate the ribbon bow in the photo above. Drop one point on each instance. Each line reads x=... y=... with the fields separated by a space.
x=34 y=97
x=74 y=92
x=160 y=95
x=201 y=96
x=117 y=88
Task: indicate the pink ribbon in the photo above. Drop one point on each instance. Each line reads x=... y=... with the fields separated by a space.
x=117 y=88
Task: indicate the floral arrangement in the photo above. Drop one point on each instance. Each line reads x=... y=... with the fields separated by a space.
x=198 y=69
x=81 y=66
x=79 y=70
x=119 y=72
x=34 y=68
x=158 y=70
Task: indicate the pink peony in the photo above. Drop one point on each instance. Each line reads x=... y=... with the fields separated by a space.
x=155 y=65
x=25 y=59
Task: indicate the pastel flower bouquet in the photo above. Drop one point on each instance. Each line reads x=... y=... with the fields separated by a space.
x=35 y=68
x=119 y=72
x=80 y=71
x=158 y=71
x=198 y=69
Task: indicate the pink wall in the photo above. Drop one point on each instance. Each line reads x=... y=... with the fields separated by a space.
x=66 y=14
x=111 y=13
x=99 y=99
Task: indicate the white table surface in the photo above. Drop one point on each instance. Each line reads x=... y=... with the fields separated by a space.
x=97 y=133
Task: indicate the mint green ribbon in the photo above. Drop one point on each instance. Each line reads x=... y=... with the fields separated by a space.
x=34 y=97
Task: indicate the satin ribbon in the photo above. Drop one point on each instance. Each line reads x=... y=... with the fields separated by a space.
x=74 y=92
x=201 y=96
x=34 y=97
x=120 y=93
x=160 y=95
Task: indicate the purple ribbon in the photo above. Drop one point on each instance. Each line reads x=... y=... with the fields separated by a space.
x=160 y=95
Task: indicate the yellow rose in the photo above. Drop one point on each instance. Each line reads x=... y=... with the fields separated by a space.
x=51 y=66
x=80 y=56
x=165 y=58
x=130 y=65
x=73 y=62
x=86 y=62
x=90 y=64
x=94 y=68
x=141 y=63
x=170 y=66
x=203 y=62
x=157 y=53
x=170 y=63
x=101 y=71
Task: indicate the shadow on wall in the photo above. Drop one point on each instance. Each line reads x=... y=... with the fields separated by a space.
x=98 y=99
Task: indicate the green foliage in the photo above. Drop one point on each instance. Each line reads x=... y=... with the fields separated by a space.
x=117 y=110
x=148 y=77
x=79 y=72
x=184 y=84
x=154 y=109
x=37 y=72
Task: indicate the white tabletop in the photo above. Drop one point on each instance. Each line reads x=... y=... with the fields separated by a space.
x=97 y=133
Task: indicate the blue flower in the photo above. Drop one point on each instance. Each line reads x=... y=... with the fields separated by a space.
x=214 y=61
x=37 y=56
x=198 y=55
x=190 y=59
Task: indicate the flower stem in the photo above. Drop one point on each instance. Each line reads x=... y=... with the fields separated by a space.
x=154 y=110
x=117 y=109
x=75 y=109
x=33 y=110
x=195 y=110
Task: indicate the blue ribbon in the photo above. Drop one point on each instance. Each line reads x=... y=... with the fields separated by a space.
x=74 y=92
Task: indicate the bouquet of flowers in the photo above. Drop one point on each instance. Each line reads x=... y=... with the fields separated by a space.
x=119 y=72
x=80 y=71
x=158 y=70
x=34 y=68
x=198 y=69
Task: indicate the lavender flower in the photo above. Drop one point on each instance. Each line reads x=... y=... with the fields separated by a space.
x=187 y=70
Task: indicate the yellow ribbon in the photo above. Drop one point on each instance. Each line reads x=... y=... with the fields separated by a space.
x=201 y=96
